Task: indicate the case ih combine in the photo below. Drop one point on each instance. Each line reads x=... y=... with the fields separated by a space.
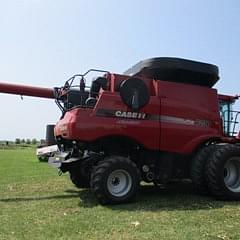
x=160 y=120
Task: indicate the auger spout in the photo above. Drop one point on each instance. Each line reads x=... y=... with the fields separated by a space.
x=25 y=90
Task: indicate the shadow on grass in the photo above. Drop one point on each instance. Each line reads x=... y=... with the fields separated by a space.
x=177 y=196
x=26 y=199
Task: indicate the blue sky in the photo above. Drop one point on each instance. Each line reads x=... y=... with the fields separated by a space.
x=44 y=42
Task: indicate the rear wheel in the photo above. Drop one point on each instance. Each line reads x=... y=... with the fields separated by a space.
x=42 y=158
x=223 y=173
x=115 y=180
x=79 y=178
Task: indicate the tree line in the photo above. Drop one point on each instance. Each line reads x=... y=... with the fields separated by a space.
x=33 y=141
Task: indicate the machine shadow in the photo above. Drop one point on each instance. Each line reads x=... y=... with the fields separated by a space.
x=177 y=196
x=39 y=198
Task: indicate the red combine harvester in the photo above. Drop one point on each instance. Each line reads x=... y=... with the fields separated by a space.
x=160 y=120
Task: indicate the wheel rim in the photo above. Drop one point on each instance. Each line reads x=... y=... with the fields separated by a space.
x=119 y=183
x=232 y=174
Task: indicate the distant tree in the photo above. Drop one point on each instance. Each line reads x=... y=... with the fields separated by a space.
x=17 y=141
x=28 y=141
x=42 y=141
x=23 y=141
x=34 y=141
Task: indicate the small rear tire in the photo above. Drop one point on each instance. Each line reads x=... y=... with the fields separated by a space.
x=43 y=158
x=79 y=179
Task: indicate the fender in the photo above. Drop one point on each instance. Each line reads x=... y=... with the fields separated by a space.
x=191 y=146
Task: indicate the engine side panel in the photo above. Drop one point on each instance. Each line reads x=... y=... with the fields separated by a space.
x=177 y=118
x=111 y=117
x=189 y=116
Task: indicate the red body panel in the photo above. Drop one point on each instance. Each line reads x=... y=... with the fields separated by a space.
x=195 y=116
x=26 y=90
x=181 y=116
x=85 y=125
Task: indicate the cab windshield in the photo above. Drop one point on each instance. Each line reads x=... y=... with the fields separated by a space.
x=226 y=114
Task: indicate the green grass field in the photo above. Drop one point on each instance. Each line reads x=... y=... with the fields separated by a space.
x=35 y=203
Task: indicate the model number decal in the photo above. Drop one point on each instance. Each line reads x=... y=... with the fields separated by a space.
x=202 y=123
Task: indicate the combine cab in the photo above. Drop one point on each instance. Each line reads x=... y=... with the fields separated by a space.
x=160 y=120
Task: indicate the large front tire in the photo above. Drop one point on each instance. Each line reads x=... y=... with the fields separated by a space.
x=223 y=173
x=114 y=180
x=198 y=167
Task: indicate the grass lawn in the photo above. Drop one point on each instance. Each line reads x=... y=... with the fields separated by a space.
x=35 y=203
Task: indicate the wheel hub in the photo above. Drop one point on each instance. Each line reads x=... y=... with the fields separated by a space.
x=119 y=183
x=232 y=174
x=115 y=181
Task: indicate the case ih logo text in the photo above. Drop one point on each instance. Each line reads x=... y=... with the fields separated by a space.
x=134 y=115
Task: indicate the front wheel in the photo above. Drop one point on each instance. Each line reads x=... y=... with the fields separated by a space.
x=223 y=173
x=115 y=180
